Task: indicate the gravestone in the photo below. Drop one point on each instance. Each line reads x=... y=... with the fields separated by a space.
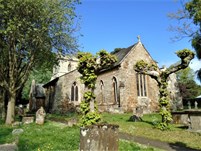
x=189 y=105
x=196 y=105
x=139 y=111
x=27 y=120
x=40 y=116
x=17 y=131
x=99 y=138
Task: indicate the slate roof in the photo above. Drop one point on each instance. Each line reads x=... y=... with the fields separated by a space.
x=121 y=54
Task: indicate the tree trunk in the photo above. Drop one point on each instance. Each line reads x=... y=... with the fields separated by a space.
x=2 y=104
x=11 y=108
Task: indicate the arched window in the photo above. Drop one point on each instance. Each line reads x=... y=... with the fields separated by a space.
x=69 y=67
x=141 y=84
x=74 y=92
x=101 y=85
x=115 y=90
x=102 y=91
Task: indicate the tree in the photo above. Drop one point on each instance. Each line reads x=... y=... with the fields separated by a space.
x=161 y=77
x=190 y=25
x=187 y=86
x=29 y=31
x=89 y=67
x=41 y=75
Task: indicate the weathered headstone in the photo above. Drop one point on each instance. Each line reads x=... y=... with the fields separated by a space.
x=196 y=105
x=99 y=138
x=27 y=120
x=139 y=111
x=40 y=116
x=189 y=105
x=72 y=122
x=17 y=131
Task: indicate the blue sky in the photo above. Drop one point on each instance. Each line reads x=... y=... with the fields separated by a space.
x=110 y=24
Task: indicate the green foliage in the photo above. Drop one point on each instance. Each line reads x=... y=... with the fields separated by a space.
x=40 y=75
x=141 y=65
x=88 y=96
x=194 y=9
x=90 y=118
x=31 y=31
x=144 y=66
x=89 y=66
x=184 y=53
x=187 y=86
x=84 y=107
x=106 y=59
x=185 y=75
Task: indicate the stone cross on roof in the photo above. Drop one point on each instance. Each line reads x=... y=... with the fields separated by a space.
x=138 y=37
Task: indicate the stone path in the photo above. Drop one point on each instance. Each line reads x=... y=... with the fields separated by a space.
x=155 y=143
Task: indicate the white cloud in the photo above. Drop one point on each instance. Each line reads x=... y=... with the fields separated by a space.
x=195 y=64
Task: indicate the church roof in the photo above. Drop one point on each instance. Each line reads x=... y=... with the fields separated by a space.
x=121 y=54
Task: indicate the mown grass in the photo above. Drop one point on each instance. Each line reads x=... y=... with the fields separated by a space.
x=175 y=134
x=54 y=136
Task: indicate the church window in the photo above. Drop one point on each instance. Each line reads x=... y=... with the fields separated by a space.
x=141 y=84
x=74 y=92
x=69 y=67
x=115 y=90
x=102 y=91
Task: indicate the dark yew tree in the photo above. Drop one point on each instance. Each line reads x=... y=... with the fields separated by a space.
x=30 y=31
x=189 y=89
x=161 y=77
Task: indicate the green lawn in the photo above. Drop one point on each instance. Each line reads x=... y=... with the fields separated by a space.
x=176 y=134
x=54 y=136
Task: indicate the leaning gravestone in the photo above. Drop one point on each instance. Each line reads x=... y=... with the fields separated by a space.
x=40 y=116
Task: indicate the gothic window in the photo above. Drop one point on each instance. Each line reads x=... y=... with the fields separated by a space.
x=115 y=89
x=102 y=91
x=74 y=92
x=141 y=84
x=69 y=67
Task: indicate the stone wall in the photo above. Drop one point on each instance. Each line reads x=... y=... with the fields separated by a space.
x=126 y=85
x=63 y=89
x=126 y=98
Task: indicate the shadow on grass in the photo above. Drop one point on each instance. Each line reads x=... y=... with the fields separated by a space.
x=179 y=146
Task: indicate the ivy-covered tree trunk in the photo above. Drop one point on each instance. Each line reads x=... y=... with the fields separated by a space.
x=89 y=68
x=164 y=104
x=161 y=77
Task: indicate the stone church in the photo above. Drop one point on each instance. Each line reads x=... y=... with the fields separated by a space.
x=118 y=89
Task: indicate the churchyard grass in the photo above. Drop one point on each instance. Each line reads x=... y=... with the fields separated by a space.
x=54 y=136
x=177 y=134
x=57 y=136
x=5 y=133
